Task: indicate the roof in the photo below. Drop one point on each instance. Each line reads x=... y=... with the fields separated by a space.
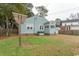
x=75 y=25
x=52 y=22
x=34 y=18
x=72 y=20
x=37 y=17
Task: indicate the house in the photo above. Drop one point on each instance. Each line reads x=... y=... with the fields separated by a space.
x=50 y=28
x=37 y=24
x=33 y=25
x=70 y=26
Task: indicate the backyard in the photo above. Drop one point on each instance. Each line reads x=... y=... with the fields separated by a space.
x=51 y=45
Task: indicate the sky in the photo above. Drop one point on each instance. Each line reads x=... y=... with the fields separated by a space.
x=57 y=8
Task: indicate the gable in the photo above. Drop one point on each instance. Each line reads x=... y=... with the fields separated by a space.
x=36 y=19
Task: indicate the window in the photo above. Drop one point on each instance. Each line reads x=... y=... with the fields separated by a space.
x=29 y=27
x=41 y=27
x=46 y=26
x=52 y=26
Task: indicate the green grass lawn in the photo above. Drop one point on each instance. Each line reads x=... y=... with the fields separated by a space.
x=36 y=46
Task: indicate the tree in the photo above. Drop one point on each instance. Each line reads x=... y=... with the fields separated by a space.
x=77 y=15
x=6 y=16
x=58 y=22
x=29 y=6
x=74 y=16
x=5 y=13
x=42 y=11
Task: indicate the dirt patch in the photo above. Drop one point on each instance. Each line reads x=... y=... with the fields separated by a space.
x=75 y=51
x=26 y=44
x=2 y=37
x=6 y=37
x=51 y=47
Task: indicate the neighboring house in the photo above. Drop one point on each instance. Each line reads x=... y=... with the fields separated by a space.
x=70 y=26
x=36 y=24
x=50 y=27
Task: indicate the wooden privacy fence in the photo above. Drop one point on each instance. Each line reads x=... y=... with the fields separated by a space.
x=10 y=31
x=70 y=32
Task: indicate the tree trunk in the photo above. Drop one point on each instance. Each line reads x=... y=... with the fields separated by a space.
x=7 y=28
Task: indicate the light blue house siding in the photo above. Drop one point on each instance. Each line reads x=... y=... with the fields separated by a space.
x=50 y=28
x=33 y=25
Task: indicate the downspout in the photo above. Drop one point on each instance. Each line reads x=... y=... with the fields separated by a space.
x=34 y=23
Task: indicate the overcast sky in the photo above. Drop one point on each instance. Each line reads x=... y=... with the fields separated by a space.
x=57 y=8
x=60 y=9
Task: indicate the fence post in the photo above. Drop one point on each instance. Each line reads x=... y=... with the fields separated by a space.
x=19 y=35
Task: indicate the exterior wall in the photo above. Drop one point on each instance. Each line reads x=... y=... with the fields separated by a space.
x=35 y=22
x=70 y=28
x=74 y=27
x=24 y=29
x=39 y=22
x=52 y=29
x=46 y=29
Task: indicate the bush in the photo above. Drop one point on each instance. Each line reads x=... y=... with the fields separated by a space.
x=40 y=32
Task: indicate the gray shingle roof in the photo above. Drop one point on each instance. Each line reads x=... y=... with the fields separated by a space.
x=72 y=20
x=48 y=22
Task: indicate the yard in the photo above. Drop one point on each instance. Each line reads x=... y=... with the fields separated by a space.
x=53 y=45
